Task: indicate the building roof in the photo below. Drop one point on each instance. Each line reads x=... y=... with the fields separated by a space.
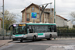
x=35 y=6
x=61 y=17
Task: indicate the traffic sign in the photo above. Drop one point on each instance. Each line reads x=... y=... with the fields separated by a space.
x=33 y=15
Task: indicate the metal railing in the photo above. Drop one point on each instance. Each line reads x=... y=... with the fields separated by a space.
x=66 y=32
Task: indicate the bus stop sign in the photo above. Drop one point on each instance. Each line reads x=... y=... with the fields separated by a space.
x=33 y=15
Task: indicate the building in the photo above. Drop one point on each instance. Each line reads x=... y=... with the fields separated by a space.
x=69 y=24
x=45 y=17
x=61 y=22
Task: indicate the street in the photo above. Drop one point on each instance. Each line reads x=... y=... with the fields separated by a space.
x=39 y=45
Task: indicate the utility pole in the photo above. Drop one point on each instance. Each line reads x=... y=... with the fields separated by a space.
x=3 y=19
x=39 y=14
x=50 y=12
x=54 y=11
x=43 y=7
x=50 y=7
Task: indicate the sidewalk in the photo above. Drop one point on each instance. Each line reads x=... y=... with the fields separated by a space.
x=3 y=42
x=67 y=38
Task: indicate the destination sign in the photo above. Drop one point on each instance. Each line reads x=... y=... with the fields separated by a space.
x=22 y=24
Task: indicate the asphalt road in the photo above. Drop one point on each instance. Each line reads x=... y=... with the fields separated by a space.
x=38 y=45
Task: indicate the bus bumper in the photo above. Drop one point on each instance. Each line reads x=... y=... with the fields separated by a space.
x=18 y=39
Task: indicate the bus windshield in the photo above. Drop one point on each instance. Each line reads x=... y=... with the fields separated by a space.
x=19 y=30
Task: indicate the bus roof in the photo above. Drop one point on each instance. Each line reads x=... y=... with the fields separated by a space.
x=19 y=23
x=37 y=23
x=40 y=23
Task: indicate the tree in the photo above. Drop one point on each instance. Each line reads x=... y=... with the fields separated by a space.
x=9 y=18
x=73 y=15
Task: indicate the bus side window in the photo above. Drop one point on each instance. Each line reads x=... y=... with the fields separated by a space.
x=55 y=28
x=30 y=30
x=33 y=29
x=50 y=28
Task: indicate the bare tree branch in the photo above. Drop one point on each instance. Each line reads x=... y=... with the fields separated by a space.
x=73 y=14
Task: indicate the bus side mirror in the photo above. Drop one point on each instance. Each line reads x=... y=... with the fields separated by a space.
x=10 y=27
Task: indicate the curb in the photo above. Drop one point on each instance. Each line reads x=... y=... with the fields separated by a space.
x=5 y=43
x=2 y=45
x=10 y=41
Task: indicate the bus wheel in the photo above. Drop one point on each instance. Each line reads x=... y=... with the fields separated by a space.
x=13 y=39
x=21 y=40
x=34 y=38
x=50 y=37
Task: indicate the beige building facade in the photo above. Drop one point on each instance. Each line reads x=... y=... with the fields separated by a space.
x=46 y=16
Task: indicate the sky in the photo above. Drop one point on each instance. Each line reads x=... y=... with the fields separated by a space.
x=62 y=7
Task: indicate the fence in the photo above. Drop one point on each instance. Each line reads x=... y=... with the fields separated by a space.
x=65 y=32
x=6 y=35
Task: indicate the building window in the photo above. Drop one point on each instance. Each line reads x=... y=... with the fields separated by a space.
x=28 y=17
x=32 y=8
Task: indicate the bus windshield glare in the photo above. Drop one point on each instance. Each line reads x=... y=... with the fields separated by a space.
x=19 y=30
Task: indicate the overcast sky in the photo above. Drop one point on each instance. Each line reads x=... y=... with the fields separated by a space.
x=63 y=7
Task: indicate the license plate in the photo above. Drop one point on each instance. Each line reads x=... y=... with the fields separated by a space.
x=19 y=39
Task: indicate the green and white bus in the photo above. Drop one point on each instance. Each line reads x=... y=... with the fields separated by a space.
x=33 y=31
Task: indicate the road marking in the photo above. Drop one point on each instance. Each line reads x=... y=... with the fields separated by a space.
x=68 y=47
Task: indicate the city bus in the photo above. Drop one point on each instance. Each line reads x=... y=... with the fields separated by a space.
x=33 y=31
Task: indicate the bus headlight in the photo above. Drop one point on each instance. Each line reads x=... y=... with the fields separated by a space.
x=25 y=36
x=13 y=36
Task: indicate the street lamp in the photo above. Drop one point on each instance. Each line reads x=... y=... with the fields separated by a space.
x=3 y=19
x=54 y=11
